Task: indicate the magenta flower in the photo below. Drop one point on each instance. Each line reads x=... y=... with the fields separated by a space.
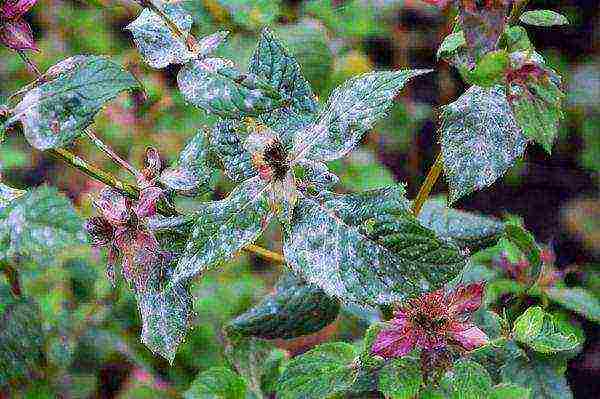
x=433 y=321
x=15 y=33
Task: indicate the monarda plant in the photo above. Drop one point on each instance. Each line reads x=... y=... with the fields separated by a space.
x=433 y=274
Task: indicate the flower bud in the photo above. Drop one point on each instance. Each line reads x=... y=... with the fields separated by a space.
x=17 y=35
x=13 y=9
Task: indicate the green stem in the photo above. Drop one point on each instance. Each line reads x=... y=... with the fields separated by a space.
x=425 y=190
x=111 y=153
x=12 y=275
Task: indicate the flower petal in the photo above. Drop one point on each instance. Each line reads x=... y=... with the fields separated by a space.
x=17 y=35
x=469 y=335
x=393 y=342
x=146 y=205
x=466 y=298
x=16 y=8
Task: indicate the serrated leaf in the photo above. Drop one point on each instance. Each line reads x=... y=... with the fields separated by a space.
x=228 y=148
x=400 y=379
x=315 y=175
x=56 y=112
x=214 y=85
x=252 y=14
x=480 y=140
x=450 y=44
x=156 y=41
x=490 y=69
x=8 y=195
x=39 y=225
x=543 y=18
x=467 y=380
x=248 y=357
x=538 y=330
x=509 y=391
x=217 y=383
x=576 y=299
x=273 y=63
x=21 y=338
x=296 y=308
x=190 y=174
x=544 y=377
x=468 y=230
x=515 y=38
x=224 y=227
x=525 y=241
x=166 y=315
x=322 y=372
x=381 y=261
x=350 y=111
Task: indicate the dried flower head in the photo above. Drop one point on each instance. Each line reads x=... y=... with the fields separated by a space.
x=15 y=33
x=434 y=321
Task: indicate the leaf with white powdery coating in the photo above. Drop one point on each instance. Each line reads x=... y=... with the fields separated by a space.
x=273 y=63
x=543 y=18
x=8 y=195
x=39 y=225
x=468 y=230
x=322 y=372
x=350 y=111
x=480 y=140
x=576 y=299
x=545 y=377
x=538 y=330
x=190 y=174
x=214 y=85
x=155 y=40
x=224 y=227
x=55 y=113
x=166 y=314
x=367 y=249
x=467 y=380
x=21 y=339
x=227 y=146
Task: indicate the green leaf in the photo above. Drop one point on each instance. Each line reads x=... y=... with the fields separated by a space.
x=8 y=195
x=224 y=227
x=400 y=379
x=544 y=377
x=543 y=18
x=515 y=38
x=227 y=147
x=322 y=372
x=467 y=380
x=217 y=383
x=576 y=299
x=296 y=308
x=490 y=69
x=348 y=246
x=156 y=42
x=39 y=225
x=509 y=391
x=247 y=356
x=480 y=140
x=539 y=331
x=350 y=111
x=273 y=366
x=214 y=85
x=451 y=44
x=56 y=112
x=21 y=339
x=274 y=64
x=166 y=315
x=190 y=175
x=525 y=241
x=536 y=99
x=468 y=230
x=252 y=14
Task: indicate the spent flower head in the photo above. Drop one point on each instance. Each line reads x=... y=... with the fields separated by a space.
x=433 y=321
x=15 y=33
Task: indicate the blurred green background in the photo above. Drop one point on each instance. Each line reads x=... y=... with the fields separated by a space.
x=95 y=350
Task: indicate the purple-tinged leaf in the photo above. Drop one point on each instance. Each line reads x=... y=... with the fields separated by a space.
x=482 y=24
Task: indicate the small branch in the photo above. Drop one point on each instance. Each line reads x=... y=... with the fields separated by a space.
x=111 y=153
x=12 y=275
x=265 y=253
x=30 y=64
x=425 y=190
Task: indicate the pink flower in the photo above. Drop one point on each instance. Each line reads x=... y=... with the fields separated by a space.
x=434 y=321
x=15 y=33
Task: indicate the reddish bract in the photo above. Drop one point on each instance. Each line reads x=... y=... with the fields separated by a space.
x=15 y=33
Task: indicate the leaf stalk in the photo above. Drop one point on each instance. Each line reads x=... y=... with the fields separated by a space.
x=425 y=190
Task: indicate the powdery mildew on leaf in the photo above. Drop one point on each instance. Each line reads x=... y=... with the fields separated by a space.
x=356 y=252
x=480 y=140
x=39 y=225
x=543 y=18
x=21 y=340
x=214 y=85
x=55 y=113
x=469 y=230
x=316 y=175
x=224 y=227
x=482 y=25
x=350 y=111
x=228 y=147
x=166 y=314
x=8 y=195
x=273 y=63
x=191 y=173
x=542 y=375
x=538 y=330
x=157 y=43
